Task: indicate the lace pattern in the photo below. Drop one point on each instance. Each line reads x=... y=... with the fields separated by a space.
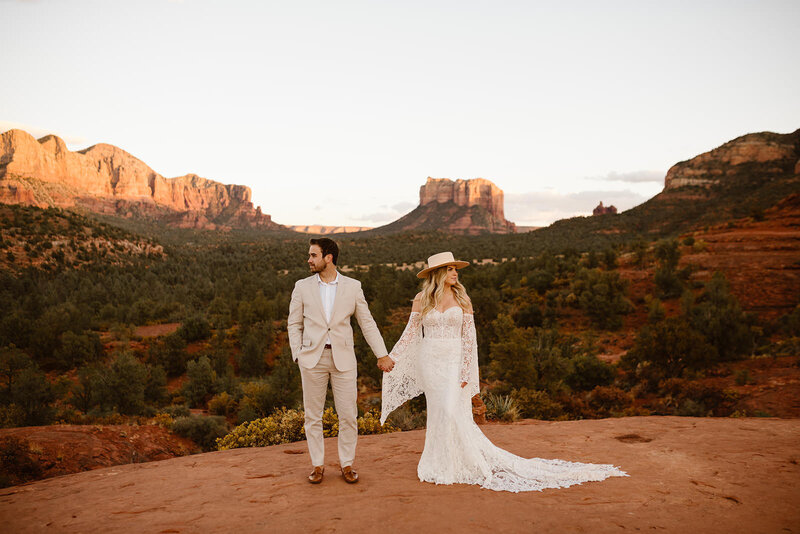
x=456 y=450
x=469 y=355
x=401 y=383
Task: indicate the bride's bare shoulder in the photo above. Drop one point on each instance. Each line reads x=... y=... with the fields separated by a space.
x=417 y=306
x=468 y=307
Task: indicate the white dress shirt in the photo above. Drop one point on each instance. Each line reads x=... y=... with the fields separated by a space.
x=327 y=292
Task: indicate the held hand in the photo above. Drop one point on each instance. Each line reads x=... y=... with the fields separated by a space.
x=385 y=364
x=463 y=384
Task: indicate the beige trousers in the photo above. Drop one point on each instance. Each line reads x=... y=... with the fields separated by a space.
x=345 y=392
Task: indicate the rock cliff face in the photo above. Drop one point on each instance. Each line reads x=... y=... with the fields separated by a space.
x=460 y=207
x=106 y=179
x=324 y=230
x=764 y=153
x=604 y=210
x=476 y=192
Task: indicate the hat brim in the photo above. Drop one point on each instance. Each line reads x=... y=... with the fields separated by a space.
x=458 y=264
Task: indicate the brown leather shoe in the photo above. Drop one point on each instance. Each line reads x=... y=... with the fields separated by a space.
x=316 y=475
x=349 y=475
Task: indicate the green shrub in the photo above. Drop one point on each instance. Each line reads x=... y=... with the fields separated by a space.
x=537 y=404
x=742 y=377
x=286 y=426
x=202 y=430
x=222 y=404
x=717 y=315
x=200 y=383
x=601 y=295
x=127 y=380
x=16 y=464
x=607 y=401
x=589 y=371
x=501 y=407
x=195 y=328
x=406 y=419
x=177 y=410
x=704 y=399
x=667 y=349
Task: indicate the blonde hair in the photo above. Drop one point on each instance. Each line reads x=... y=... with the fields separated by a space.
x=433 y=291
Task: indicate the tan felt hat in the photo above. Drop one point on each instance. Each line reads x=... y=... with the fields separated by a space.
x=440 y=260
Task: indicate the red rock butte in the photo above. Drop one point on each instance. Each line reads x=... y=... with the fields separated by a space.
x=768 y=153
x=106 y=179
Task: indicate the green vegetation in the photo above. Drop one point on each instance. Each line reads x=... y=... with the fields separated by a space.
x=74 y=292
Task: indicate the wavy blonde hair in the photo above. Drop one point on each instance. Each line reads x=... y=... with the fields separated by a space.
x=433 y=291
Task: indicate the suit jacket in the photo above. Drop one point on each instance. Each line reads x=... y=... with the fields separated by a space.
x=308 y=326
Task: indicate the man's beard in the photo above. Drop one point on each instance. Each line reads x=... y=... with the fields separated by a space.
x=316 y=269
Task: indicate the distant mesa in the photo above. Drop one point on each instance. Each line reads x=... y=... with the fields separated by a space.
x=764 y=154
x=604 y=210
x=473 y=206
x=325 y=230
x=106 y=179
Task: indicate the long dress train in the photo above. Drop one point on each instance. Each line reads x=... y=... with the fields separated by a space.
x=456 y=450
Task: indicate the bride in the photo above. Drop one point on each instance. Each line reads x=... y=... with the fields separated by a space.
x=437 y=355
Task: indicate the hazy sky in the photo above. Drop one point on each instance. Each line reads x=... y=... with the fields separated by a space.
x=335 y=112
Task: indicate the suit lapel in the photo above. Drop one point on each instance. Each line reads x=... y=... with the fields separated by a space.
x=341 y=287
x=313 y=286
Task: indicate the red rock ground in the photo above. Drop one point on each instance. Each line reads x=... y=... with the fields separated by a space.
x=686 y=475
x=64 y=449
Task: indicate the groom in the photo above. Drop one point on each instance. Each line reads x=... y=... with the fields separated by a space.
x=321 y=340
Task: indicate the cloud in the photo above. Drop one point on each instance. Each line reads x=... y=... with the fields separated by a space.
x=387 y=213
x=633 y=177
x=540 y=208
x=40 y=132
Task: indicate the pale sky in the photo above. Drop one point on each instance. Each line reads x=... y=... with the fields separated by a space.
x=335 y=112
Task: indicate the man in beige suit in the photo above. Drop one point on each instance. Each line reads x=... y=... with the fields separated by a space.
x=321 y=341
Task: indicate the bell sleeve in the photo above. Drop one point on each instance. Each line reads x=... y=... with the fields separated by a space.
x=469 y=355
x=401 y=383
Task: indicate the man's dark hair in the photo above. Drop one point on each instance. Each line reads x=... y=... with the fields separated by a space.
x=328 y=246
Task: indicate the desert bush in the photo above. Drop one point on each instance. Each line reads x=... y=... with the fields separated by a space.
x=537 y=404
x=742 y=377
x=222 y=404
x=169 y=352
x=501 y=407
x=529 y=316
x=370 y=423
x=16 y=464
x=601 y=295
x=696 y=399
x=606 y=401
x=77 y=349
x=667 y=349
x=177 y=410
x=259 y=399
x=24 y=390
x=405 y=418
x=589 y=371
x=251 y=360
x=202 y=430
x=201 y=381
x=194 y=328
x=286 y=426
x=126 y=381
x=718 y=317
x=790 y=323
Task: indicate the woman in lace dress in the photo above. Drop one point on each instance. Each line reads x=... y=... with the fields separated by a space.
x=437 y=355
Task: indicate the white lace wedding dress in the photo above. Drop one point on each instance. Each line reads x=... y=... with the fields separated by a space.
x=434 y=355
